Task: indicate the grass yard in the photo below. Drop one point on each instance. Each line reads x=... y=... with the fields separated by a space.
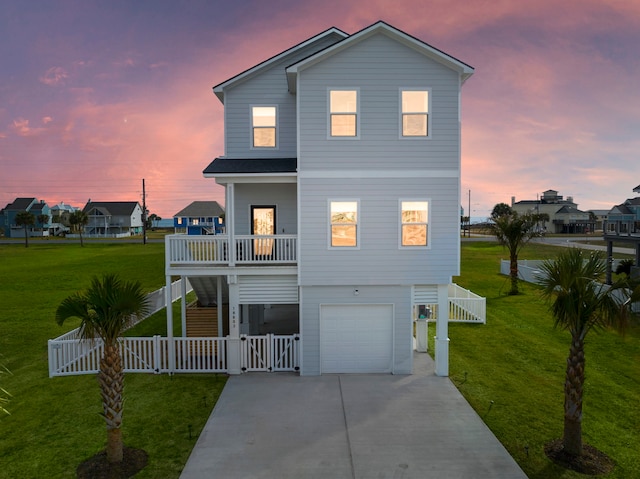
x=512 y=370
x=55 y=424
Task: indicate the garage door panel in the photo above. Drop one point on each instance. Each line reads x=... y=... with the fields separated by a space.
x=357 y=338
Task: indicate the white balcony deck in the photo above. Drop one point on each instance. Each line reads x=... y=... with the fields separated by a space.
x=182 y=250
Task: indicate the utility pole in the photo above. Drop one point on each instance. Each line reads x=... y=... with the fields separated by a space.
x=469 y=215
x=144 y=214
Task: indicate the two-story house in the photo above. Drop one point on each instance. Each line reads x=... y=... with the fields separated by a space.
x=342 y=177
x=623 y=226
x=38 y=208
x=200 y=218
x=113 y=218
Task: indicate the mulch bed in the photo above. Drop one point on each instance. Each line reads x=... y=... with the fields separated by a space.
x=97 y=467
x=592 y=461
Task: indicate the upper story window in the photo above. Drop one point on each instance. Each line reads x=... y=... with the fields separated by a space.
x=414 y=223
x=343 y=113
x=343 y=218
x=414 y=115
x=263 y=125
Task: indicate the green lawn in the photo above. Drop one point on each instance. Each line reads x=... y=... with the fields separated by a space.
x=512 y=369
x=55 y=423
x=516 y=360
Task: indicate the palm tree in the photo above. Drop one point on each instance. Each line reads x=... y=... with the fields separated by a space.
x=513 y=231
x=43 y=220
x=24 y=218
x=501 y=209
x=78 y=219
x=579 y=303
x=103 y=310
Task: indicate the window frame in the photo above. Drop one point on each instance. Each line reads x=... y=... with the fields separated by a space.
x=402 y=113
x=401 y=223
x=253 y=127
x=330 y=224
x=330 y=114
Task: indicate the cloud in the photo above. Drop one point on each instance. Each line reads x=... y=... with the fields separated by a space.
x=54 y=76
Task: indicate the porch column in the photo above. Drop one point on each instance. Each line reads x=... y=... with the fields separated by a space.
x=442 y=332
x=183 y=304
x=229 y=221
x=234 y=365
x=609 y=261
x=171 y=348
x=219 y=305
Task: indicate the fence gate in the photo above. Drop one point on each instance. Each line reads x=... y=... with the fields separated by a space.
x=270 y=352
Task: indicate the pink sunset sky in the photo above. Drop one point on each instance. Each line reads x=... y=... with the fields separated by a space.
x=97 y=95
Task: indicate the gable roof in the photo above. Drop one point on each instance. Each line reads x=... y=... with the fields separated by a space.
x=113 y=208
x=250 y=72
x=201 y=209
x=21 y=204
x=637 y=189
x=380 y=27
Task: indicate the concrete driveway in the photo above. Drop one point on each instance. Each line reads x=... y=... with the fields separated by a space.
x=280 y=425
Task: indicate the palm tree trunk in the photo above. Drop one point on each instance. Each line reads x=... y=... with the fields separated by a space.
x=573 y=386
x=513 y=273
x=26 y=237
x=111 y=379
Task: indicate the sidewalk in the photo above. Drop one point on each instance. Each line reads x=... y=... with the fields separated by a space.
x=280 y=425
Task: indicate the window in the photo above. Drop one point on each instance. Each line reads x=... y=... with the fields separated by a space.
x=414 y=223
x=343 y=223
x=343 y=116
x=263 y=124
x=415 y=113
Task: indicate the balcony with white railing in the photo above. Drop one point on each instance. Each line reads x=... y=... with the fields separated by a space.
x=214 y=250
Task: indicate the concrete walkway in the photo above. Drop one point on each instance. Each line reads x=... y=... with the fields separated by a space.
x=281 y=425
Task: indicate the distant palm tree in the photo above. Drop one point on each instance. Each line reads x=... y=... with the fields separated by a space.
x=513 y=231
x=24 y=218
x=104 y=310
x=43 y=220
x=580 y=303
x=501 y=209
x=79 y=219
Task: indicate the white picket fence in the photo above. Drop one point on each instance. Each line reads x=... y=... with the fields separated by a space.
x=465 y=306
x=69 y=357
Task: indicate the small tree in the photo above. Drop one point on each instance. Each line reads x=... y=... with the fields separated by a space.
x=25 y=219
x=580 y=303
x=78 y=219
x=501 y=209
x=104 y=310
x=43 y=220
x=513 y=231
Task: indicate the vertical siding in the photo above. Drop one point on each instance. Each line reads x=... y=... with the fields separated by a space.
x=283 y=196
x=313 y=297
x=267 y=88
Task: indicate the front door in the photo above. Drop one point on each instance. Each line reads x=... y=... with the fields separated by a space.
x=263 y=223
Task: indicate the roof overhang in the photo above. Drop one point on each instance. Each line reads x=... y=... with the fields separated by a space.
x=218 y=90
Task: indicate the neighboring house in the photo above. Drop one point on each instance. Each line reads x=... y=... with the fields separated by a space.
x=113 y=218
x=200 y=218
x=60 y=218
x=341 y=172
x=33 y=206
x=564 y=215
x=600 y=217
x=623 y=225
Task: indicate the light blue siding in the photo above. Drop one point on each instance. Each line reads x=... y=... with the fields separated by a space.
x=313 y=297
x=283 y=196
x=268 y=88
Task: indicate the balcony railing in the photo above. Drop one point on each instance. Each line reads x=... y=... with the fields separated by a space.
x=624 y=228
x=247 y=249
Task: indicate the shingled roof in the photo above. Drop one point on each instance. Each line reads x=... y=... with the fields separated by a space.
x=113 y=208
x=251 y=165
x=201 y=209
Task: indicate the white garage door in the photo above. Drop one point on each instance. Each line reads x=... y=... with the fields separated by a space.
x=356 y=338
